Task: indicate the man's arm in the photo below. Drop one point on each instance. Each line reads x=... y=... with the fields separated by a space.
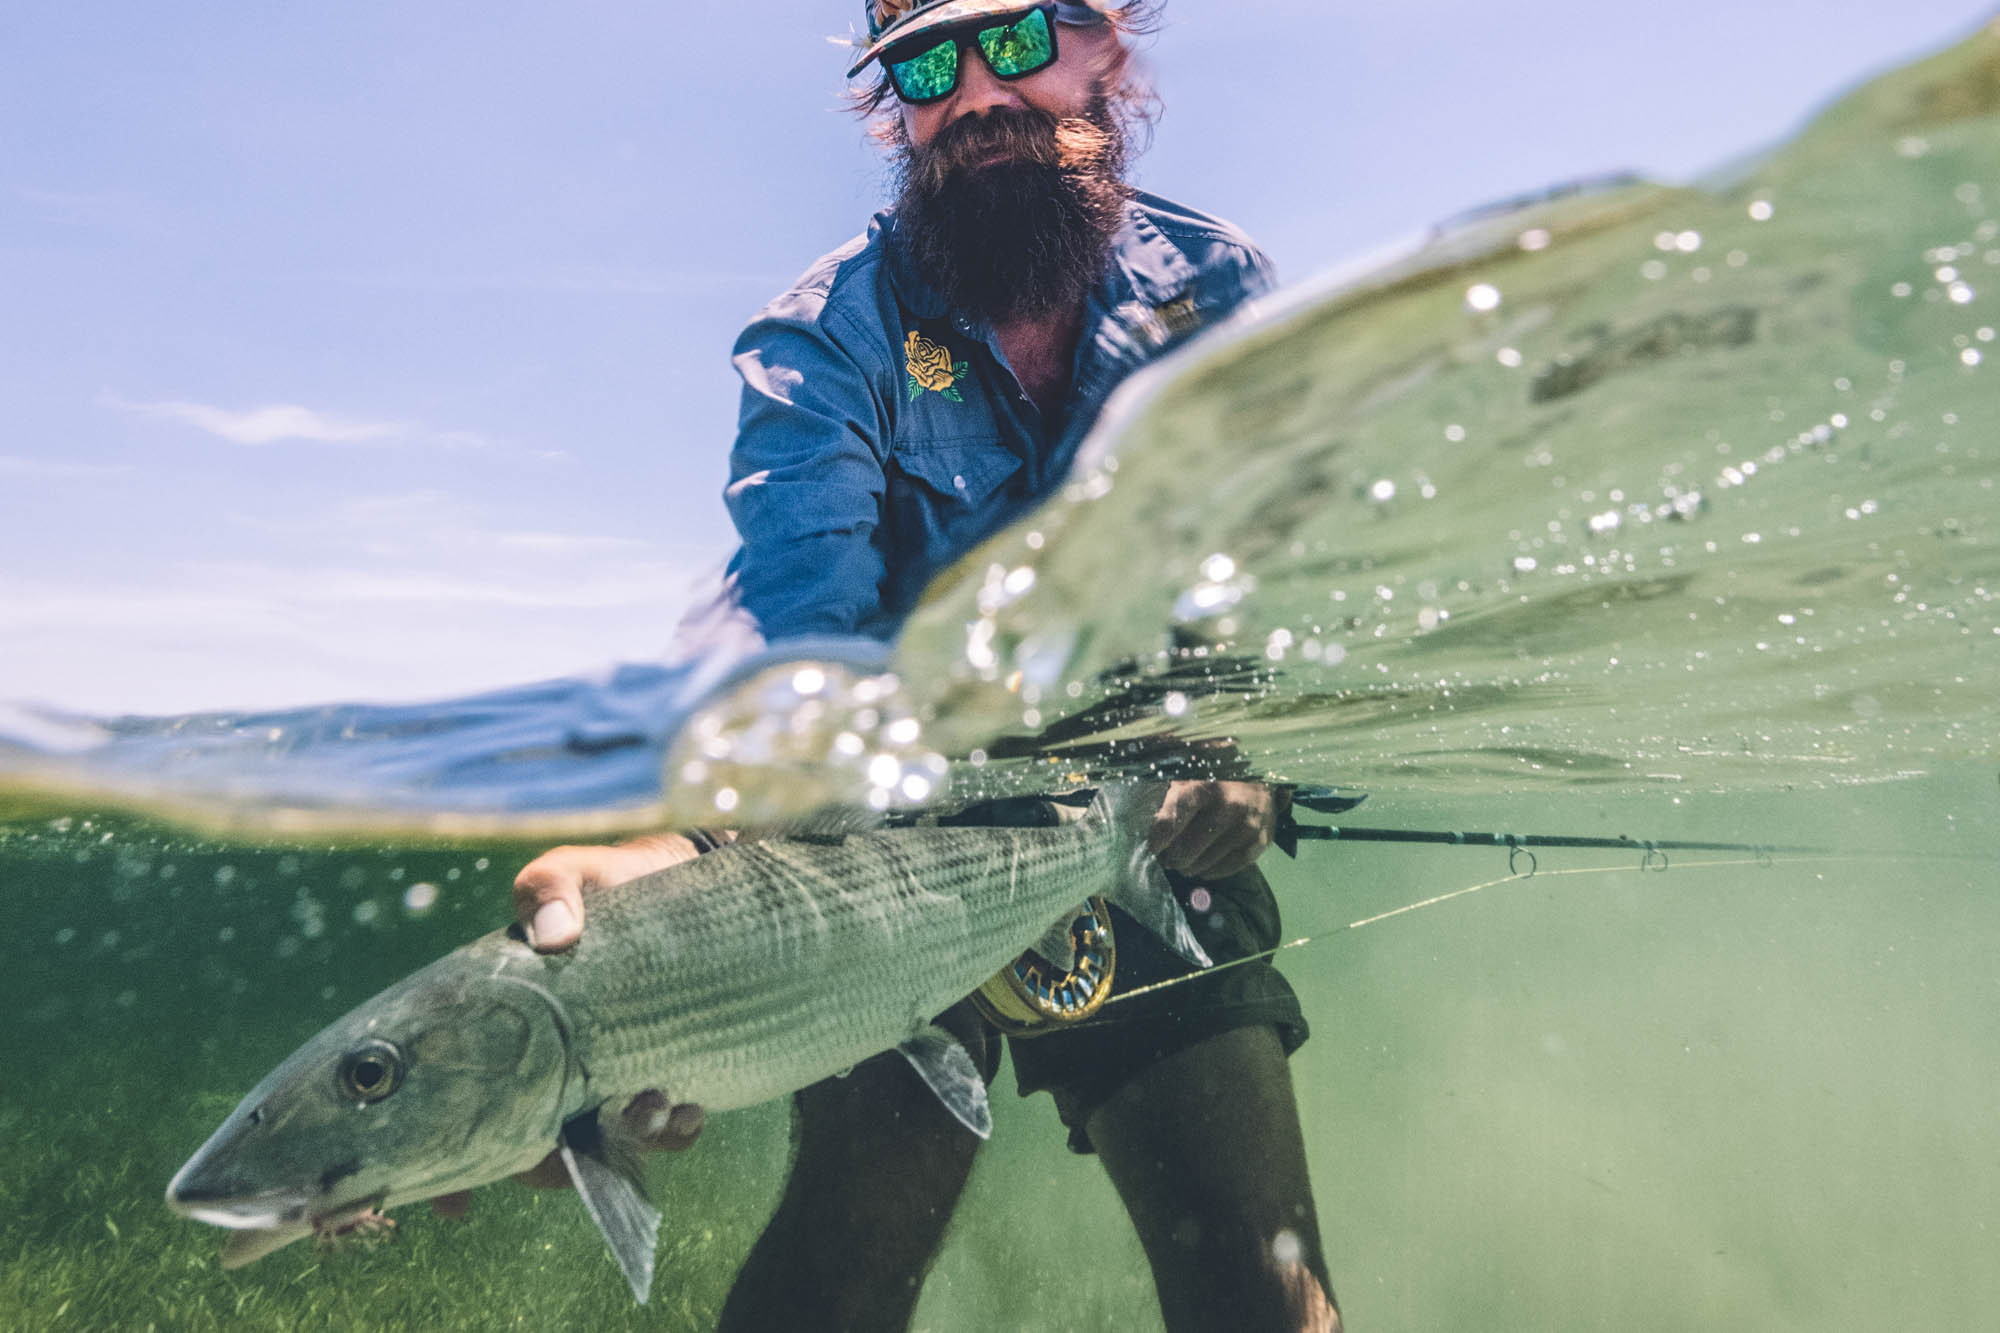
x=806 y=479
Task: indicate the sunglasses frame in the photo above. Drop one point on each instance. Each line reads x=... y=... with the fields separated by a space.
x=962 y=37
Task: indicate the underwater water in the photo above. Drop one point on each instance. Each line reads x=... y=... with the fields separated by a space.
x=1664 y=513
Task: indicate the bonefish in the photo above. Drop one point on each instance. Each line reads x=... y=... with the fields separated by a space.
x=740 y=976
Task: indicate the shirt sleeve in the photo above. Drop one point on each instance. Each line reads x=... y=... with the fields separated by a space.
x=806 y=481
x=1260 y=276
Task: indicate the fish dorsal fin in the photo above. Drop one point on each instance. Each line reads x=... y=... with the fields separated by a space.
x=946 y=1068
x=830 y=824
x=605 y=1167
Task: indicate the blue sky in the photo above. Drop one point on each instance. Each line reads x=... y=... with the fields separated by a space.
x=380 y=350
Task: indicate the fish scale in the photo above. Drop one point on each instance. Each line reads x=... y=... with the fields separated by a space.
x=766 y=965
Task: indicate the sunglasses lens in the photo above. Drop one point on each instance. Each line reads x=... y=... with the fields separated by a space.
x=929 y=75
x=1019 y=48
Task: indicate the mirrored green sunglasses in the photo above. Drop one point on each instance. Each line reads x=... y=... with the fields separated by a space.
x=1011 y=50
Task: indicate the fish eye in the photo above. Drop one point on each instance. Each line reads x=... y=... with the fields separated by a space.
x=371 y=1071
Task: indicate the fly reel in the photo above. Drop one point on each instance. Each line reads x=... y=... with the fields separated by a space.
x=1032 y=996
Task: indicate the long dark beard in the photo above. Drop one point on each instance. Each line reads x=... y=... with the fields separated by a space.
x=1027 y=235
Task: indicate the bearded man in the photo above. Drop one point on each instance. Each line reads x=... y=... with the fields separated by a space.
x=914 y=391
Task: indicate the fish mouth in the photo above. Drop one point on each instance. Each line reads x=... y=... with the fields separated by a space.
x=261 y=1224
x=336 y=1220
x=264 y=1220
x=274 y=1210
x=267 y=1210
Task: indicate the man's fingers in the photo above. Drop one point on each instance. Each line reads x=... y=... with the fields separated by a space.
x=1225 y=857
x=548 y=893
x=1183 y=806
x=659 y=1125
x=1212 y=829
x=548 y=896
x=663 y=1126
x=1193 y=844
x=683 y=1128
x=548 y=1174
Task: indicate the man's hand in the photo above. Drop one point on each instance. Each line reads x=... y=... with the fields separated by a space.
x=548 y=893
x=1207 y=830
x=548 y=902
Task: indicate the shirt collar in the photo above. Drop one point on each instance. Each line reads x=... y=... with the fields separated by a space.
x=1152 y=264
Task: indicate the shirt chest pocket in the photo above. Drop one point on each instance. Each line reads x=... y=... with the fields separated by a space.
x=944 y=496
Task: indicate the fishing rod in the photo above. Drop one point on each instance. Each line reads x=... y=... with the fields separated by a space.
x=1653 y=851
x=1033 y=994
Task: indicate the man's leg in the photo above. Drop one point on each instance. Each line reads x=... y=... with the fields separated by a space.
x=1205 y=1149
x=879 y=1167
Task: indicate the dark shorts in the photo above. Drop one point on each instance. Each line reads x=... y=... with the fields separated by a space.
x=1083 y=1066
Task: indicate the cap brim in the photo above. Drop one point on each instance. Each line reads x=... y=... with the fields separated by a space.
x=947 y=15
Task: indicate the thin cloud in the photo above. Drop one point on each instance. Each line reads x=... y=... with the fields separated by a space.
x=560 y=543
x=274 y=424
x=433 y=525
x=12 y=465
x=576 y=280
x=289 y=423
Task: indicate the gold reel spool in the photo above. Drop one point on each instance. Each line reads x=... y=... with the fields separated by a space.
x=1032 y=996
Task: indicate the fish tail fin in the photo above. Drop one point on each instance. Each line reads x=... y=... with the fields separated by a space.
x=1141 y=887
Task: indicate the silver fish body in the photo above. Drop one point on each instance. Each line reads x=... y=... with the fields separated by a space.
x=737 y=977
x=754 y=971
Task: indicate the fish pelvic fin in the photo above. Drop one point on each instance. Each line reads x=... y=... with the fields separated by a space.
x=947 y=1069
x=605 y=1166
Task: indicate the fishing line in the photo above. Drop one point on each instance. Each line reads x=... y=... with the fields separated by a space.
x=1517 y=877
x=1522 y=864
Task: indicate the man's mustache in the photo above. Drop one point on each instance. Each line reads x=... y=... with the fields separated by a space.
x=1015 y=137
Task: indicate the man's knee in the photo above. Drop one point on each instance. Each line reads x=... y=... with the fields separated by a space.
x=1206 y=1150
x=878 y=1171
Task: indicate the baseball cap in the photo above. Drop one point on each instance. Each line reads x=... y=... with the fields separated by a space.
x=927 y=15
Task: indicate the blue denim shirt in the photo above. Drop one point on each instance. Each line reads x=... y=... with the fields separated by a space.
x=883 y=434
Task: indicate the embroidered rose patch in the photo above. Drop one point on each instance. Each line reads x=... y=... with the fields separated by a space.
x=931 y=367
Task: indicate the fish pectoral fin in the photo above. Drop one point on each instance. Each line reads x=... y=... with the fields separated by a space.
x=947 y=1069
x=1141 y=886
x=605 y=1166
x=1146 y=896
